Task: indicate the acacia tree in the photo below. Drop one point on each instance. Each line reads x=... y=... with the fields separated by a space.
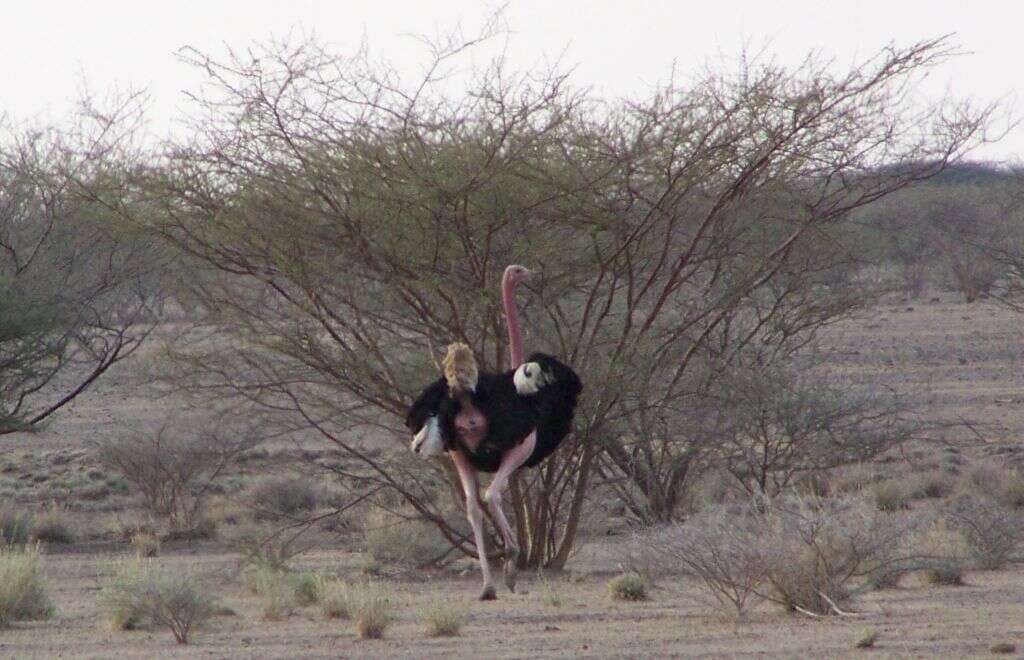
x=346 y=223
x=74 y=288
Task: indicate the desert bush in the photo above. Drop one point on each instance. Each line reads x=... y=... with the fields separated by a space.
x=944 y=553
x=933 y=484
x=334 y=597
x=264 y=544
x=818 y=548
x=15 y=525
x=855 y=478
x=1012 y=494
x=392 y=540
x=23 y=593
x=443 y=618
x=891 y=495
x=992 y=532
x=142 y=594
x=277 y=498
x=370 y=609
x=146 y=544
x=176 y=468
x=721 y=547
x=53 y=527
x=628 y=586
x=284 y=591
x=995 y=482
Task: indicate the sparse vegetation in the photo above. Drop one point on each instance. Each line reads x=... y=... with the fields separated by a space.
x=867 y=639
x=628 y=586
x=549 y=593
x=176 y=468
x=370 y=610
x=52 y=526
x=334 y=598
x=146 y=544
x=283 y=498
x=391 y=540
x=443 y=618
x=891 y=495
x=23 y=592
x=945 y=554
x=15 y=525
x=264 y=544
x=142 y=594
x=992 y=532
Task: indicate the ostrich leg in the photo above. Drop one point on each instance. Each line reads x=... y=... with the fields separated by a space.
x=510 y=462
x=467 y=475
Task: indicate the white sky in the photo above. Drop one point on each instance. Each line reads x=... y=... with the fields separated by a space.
x=50 y=47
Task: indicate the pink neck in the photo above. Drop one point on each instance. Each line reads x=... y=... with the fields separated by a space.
x=515 y=337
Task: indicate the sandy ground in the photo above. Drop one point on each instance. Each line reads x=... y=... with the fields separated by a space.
x=961 y=362
x=912 y=621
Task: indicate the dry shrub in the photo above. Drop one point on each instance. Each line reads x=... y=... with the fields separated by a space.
x=53 y=527
x=175 y=470
x=443 y=618
x=804 y=553
x=628 y=586
x=146 y=544
x=995 y=482
x=15 y=525
x=945 y=553
x=283 y=498
x=266 y=545
x=992 y=532
x=23 y=595
x=721 y=547
x=818 y=547
x=933 y=484
x=142 y=594
x=284 y=591
x=334 y=597
x=891 y=495
x=853 y=479
x=371 y=610
x=392 y=540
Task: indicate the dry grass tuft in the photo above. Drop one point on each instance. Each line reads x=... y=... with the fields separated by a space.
x=443 y=618
x=15 y=525
x=371 y=610
x=867 y=639
x=628 y=586
x=334 y=597
x=23 y=594
x=891 y=495
x=945 y=554
x=146 y=544
x=53 y=527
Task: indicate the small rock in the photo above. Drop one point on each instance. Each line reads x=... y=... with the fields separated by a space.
x=551 y=628
x=1003 y=647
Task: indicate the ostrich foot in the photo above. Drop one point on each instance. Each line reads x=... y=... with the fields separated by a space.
x=511 y=568
x=488 y=593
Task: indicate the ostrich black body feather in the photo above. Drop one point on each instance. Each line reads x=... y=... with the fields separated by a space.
x=511 y=416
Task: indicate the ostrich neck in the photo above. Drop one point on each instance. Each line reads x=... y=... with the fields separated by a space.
x=515 y=337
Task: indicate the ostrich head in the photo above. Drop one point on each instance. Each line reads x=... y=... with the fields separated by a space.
x=514 y=275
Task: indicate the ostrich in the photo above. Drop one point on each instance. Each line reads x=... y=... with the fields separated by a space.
x=495 y=423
